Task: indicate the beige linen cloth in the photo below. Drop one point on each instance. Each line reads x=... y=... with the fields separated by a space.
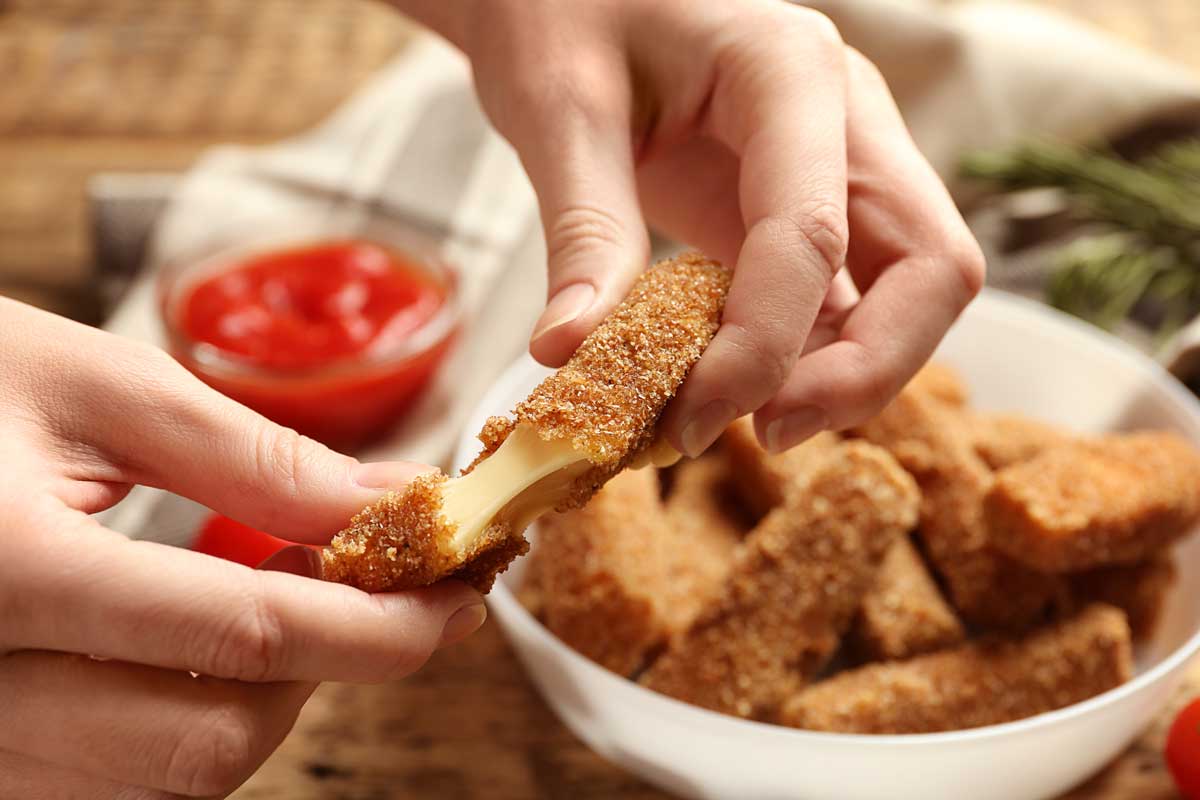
x=413 y=148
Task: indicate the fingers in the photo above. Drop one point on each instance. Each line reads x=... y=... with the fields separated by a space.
x=33 y=779
x=789 y=133
x=88 y=590
x=128 y=413
x=140 y=726
x=912 y=257
x=579 y=155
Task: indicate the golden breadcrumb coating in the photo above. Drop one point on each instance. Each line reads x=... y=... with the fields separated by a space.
x=604 y=573
x=986 y=587
x=795 y=585
x=941 y=382
x=1114 y=500
x=763 y=478
x=1140 y=590
x=903 y=614
x=1002 y=440
x=983 y=683
x=406 y=535
x=605 y=401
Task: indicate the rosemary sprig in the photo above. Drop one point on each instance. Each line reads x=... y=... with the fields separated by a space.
x=1151 y=210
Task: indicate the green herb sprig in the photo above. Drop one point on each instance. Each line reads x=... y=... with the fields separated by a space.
x=1149 y=250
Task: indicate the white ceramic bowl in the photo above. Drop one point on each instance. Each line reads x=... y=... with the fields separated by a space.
x=1015 y=355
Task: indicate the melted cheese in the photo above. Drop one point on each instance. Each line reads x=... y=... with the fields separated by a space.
x=526 y=477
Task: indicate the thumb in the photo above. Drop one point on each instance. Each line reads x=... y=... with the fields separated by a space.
x=596 y=240
x=176 y=433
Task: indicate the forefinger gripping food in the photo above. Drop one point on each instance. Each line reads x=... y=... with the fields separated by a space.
x=577 y=429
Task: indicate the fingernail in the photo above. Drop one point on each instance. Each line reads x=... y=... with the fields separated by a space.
x=704 y=428
x=792 y=429
x=387 y=474
x=463 y=623
x=296 y=559
x=568 y=305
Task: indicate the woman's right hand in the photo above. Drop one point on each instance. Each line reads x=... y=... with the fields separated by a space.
x=136 y=670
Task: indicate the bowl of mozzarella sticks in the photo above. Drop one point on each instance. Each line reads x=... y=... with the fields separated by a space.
x=987 y=590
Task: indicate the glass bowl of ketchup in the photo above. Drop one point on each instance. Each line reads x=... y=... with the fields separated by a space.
x=334 y=337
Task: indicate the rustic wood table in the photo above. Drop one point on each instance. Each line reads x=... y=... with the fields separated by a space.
x=192 y=73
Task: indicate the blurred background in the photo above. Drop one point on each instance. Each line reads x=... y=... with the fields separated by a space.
x=146 y=85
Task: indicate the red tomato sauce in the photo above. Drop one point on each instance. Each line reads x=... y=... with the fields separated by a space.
x=315 y=338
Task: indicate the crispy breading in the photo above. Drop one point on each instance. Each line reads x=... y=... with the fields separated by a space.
x=1140 y=590
x=797 y=581
x=604 y=573
x=986 y=682
x=985 y=586
x=941 y=382
x=605 y=403
x=904 y=614
x=1113 y=500
x=763 y=478
x=1002 y=440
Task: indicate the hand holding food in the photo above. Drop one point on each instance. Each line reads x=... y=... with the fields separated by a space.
x=747 y=129
x=133 y=664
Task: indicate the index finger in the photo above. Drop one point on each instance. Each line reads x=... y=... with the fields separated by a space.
x=92 y=591
x=789 y=131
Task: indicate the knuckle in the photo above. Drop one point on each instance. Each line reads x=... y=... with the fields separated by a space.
x=215 y=756
x=821 y=229
x=864 y=68
x=969 y=265
x=252 y=647
x=769 y=360
x=282 y=456
x=582 y=230
x=820 y=30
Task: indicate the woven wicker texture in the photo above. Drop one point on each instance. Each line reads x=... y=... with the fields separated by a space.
x=185 y=67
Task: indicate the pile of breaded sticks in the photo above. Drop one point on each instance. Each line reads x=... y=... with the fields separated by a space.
x=936 y=568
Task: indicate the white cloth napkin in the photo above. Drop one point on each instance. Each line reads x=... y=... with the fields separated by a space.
x=413 y=146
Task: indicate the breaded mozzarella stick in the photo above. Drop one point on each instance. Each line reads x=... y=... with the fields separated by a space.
x=577 y=429
x=1114 y=500
x=794 y=588
x=981 y=683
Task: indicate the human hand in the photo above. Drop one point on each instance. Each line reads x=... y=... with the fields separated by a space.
x=99 y=634
x=748 y=129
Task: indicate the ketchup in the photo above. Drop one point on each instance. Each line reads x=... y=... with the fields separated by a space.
x=332 y=339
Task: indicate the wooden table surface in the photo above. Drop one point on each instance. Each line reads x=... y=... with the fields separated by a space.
x=192 y=73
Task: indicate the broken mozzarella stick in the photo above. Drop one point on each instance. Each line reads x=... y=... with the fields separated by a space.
x=982 y=683
x=795 y=585
x=577 y=429
x=985 y=586
x=1114 y=500
x=762 y=479
x=904 y=614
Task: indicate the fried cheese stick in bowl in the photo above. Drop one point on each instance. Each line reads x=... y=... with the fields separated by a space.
x=575 y=431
